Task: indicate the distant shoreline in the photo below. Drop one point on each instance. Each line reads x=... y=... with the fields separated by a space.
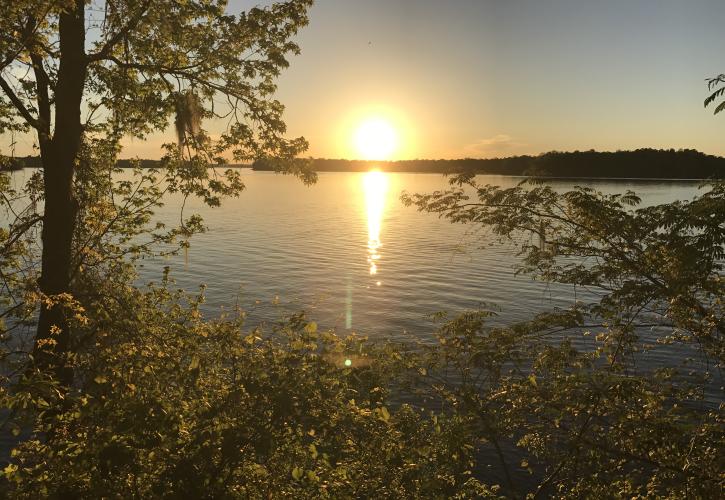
x=643 y=164
x=640 y=164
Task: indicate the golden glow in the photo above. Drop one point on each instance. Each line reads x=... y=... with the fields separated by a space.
x=357 y=122
x=376 y=139
x=375 y=187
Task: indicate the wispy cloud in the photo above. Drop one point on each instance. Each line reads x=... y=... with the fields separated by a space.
x=498 y=145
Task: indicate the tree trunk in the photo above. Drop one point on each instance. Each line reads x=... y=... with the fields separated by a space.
x=59 y=157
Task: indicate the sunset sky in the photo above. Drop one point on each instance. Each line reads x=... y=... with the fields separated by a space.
x=492 y=77
x=485 y=78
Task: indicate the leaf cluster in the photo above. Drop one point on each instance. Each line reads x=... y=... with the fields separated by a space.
x=172 y=404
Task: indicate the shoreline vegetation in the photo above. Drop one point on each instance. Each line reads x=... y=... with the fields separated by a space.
x=643 y=163
x=637 y=164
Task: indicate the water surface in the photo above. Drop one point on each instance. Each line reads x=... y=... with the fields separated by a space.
x=347 y=252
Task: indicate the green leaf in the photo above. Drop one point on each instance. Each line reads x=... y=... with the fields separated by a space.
x=297 y=473
x=384 y=413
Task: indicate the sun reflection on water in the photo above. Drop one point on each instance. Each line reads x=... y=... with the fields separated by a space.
x=375 y=187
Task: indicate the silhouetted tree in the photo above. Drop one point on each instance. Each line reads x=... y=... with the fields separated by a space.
x=148 y=60
x=640 y=163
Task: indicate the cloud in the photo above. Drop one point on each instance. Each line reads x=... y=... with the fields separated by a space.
x=498 y=145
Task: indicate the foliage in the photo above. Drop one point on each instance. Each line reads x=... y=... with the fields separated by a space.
x=143 y=58
x=717 y=84
x=562 y=399
x=117 y=229
x=151 y=61
x=164 y=402
x=83 y=75
x=559 y=419
x=663 y=260
x=171 y=404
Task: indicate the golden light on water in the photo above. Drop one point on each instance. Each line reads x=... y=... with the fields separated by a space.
x=376 y=139
x=375 y=187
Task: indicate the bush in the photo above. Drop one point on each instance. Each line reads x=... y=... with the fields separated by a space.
x=171 y=405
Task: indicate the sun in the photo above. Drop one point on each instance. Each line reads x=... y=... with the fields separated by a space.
x=376 y=139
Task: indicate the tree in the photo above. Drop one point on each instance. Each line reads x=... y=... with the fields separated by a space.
x=663 y=260
x=82 y=75
x=565 y=394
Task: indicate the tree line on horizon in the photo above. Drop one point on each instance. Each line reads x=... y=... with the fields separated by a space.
x=640 y=163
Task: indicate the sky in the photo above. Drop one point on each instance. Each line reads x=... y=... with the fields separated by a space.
x=489 y=78
x=492 y=78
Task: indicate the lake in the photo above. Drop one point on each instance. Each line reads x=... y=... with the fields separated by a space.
x=346 y=251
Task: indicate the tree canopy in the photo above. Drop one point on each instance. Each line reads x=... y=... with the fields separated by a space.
x=83 y=76
x=569 y=386
x=141 y=63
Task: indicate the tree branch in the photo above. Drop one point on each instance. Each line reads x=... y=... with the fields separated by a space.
x=24 y=112
x=42 y=84
x=29 y=31
x=115 y=39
